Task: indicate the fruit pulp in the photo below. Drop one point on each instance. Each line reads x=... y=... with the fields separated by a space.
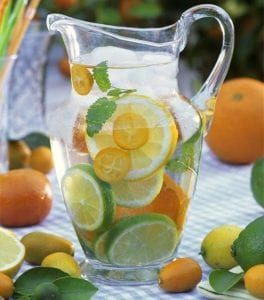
x=136 y=175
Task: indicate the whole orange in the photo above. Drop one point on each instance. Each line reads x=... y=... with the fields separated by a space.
x=25 y=197
x=237 y=132
x=254 y=281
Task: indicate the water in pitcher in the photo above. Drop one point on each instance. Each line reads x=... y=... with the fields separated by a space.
x=126 y=156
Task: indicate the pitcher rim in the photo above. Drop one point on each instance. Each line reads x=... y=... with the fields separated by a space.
x=97 y=27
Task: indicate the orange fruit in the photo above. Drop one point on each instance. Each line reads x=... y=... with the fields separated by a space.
x=171 y=201
x=254 y=281
x=180 y=275
x=130 y=131
x=237 y=132
x=111 y=164
x=25 y=197
x=41 y=159
x=6 y=286
x=124 y=9
x=78 y=135
x=82 y=79
x=65 y=4
x=64 y=67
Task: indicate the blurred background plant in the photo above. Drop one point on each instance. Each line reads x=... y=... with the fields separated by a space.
x=247 y=15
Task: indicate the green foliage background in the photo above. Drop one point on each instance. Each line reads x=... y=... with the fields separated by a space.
x=204 y=43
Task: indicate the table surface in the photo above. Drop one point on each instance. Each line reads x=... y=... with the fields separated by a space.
x=223 y=196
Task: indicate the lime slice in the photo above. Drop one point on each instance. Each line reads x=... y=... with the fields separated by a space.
x=153 y=144
x=187 y=116
x=141 y=239
x=137 y=193
x=88 y=199
x=99 y=247
x=12 y=253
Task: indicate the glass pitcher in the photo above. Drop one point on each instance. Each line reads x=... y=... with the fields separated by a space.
x=127 y=144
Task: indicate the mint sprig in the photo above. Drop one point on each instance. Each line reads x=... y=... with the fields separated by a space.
x=103 y=108
x=98 y=113
x=101 y=77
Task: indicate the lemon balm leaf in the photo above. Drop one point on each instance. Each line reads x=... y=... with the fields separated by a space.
x=98 y=113
x=100 y=74
x=75 y=288
x=117 y=92
x=223 y=280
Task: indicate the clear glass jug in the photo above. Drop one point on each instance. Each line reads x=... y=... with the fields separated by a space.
x=127 y=144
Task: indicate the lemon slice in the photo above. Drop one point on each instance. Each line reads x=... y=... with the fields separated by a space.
x=158 y=144
x=141 y=239
x=137 y=193
x=12 y=253
x=82 y=79
x=88 y=199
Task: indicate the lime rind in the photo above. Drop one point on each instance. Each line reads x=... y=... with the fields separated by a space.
x=99 y=247
x=138 y=193
x=105 y=209
x=139 y=240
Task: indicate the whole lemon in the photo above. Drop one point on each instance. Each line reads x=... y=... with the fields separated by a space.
x=216 y=247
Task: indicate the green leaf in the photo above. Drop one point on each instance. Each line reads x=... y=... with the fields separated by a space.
x=116 y=92
x=98 y=113
x=146 y=10
x=223 y=280
x=29 y=280
x=100 y=74
x=37 y=139
x=75 y=288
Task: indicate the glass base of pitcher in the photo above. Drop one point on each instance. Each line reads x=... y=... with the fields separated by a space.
x=119 y=275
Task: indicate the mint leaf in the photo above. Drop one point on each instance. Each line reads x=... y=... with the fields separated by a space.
x=37 y=139
x=98 y=113
x=116 y=92
x=29 y=280
x=223 y=280
x=75 y=288
x=100 y=74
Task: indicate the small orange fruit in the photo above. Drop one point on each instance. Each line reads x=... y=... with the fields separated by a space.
x=171 y=201
x=6 y=286
x=180 y=275
x=65 y=4
x=254 y=281
x=125 y=7
x=25 y=197
x=82 y=79
x=64 y=67
x=237 y=132
x=78 y=134
x=41 y=159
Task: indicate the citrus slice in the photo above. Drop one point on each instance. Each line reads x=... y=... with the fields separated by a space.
x=82 y=79
x=130 y=131
x=12 y=253
x=111 y=164
x=161 y=141
x=88 y=199
x=140 y=240
x=99 y=247
x=137 y=193
x=186 y=115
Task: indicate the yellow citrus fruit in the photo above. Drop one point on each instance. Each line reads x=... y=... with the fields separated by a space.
x=64 y=262
x=112 y=164
x=159 y=140
x=254 y=281
x=12 y=253
x=82 y=79
x=41 y=159
x=6 y=286
x=130 y=131
x=236 y=134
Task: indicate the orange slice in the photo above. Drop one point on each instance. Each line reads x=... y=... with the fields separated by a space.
x=82 y=79
x=112 y=164
x=130 y=131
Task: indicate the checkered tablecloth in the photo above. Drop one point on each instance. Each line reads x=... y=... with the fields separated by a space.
x=222 y=196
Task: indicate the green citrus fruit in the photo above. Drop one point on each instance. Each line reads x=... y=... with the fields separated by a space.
x=257 y=181
x=216 y=247
x=248 y=248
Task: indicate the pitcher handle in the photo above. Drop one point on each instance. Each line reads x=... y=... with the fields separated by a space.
x=214 y=81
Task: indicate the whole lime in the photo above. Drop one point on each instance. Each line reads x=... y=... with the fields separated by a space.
x=248 y=248
x=257 y=181
x=216 y=246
